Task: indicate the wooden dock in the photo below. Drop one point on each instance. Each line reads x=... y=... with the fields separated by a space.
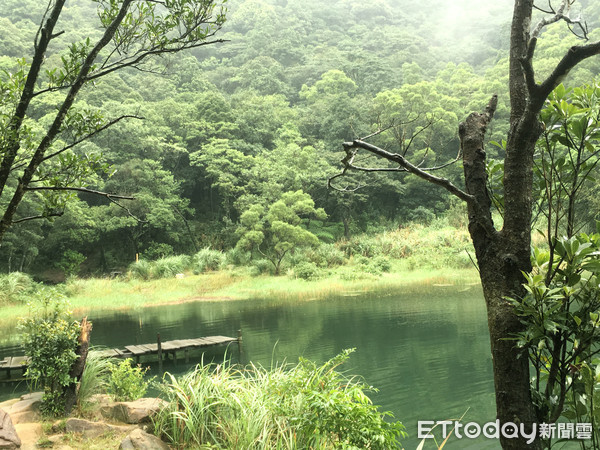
x=13 y=363
x=167 y=347
x=161 y=349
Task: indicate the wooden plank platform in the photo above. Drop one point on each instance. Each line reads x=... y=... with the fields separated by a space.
x=12 y=363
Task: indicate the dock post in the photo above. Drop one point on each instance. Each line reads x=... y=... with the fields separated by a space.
x=159 y=347
x=239 y=340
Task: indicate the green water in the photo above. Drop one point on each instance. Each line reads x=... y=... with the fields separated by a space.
x=426 y=349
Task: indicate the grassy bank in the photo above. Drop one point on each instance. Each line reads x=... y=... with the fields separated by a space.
x=378 y=263
x=95 y=294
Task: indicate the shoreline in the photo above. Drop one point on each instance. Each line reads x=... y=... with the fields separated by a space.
x=102 y=294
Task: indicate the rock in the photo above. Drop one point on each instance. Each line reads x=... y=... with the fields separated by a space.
x=91 y=430
x=8 y=435
x=26 y=409
x=26 y=402
x=138 y=411
x=141 y=440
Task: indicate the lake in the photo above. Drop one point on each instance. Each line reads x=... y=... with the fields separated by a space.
x=426 y=349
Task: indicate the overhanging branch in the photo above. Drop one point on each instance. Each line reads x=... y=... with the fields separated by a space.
x=351 y=149
x=80 y=189
x=92 y=134
x=42 y=216
x=574 y=56
x=111 y=197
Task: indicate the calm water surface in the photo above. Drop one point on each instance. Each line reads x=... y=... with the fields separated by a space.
x=426 y=349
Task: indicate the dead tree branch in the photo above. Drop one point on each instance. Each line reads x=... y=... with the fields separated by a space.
x=351 y=149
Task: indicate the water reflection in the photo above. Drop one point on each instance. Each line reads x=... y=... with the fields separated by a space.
x=426 y=350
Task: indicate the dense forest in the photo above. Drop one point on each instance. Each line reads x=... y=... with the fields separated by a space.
x=229 y=134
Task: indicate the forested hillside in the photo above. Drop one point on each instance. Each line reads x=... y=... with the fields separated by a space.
x=232 y=131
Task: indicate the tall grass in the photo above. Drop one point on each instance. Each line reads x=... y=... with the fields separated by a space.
x=170 y=266
x=15 y=287
x=207 y=259
x=299 y=407
x=436 y=246
x=94 y=380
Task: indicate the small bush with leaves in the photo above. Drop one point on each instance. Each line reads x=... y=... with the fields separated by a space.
x=49 y=336
x=307 y=271
x=262 y=266
x=561 y=316
x=360 y=246
x=237 y=257
x=324 y=256
x=70 y=263
x=126 y=382
x=381 y=263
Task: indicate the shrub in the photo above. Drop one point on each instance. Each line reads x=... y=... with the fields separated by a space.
x=237 y=257
x=158 y=250
x=126 y=382
x=207 y=259
x=421 y=215
x=325 y=255
x=332 y=255
x=141 y=269
x=169 y=266
x=15 y=287
x=307 y=271
x=359 y=246
x=382 y=263
x=262 y=266
x=49 y=337
x=70 y=262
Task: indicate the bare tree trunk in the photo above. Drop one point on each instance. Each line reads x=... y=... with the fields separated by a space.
x=70 y=392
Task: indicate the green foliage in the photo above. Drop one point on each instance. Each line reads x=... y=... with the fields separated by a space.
x=262 y=266
x=16 y=287
x=279 y=229
x=325 y=256
x=307 y=270
x=304 y=406
x=126 y=381
x=141 y=269
x=561 y=315
x=567 y=167
x=382 y=263
x=228 y=129
x=421 y=215
x=49 y=338
x=237 y=257
x=70 y=262
x=169 y=266
x=208 y=259
x=374 y=266
x=94 y=380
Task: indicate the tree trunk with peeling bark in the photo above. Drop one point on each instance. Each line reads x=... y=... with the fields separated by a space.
x=70 y=391
x=501 y=256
